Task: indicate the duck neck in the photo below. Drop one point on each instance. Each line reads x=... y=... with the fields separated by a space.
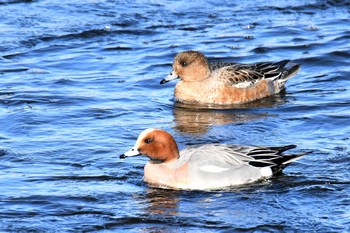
x=166 y=152
x=159 y=161
x=202 y=73
x=173 y=156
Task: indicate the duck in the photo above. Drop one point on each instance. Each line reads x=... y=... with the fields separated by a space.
x=207 y=166
x=224 y=83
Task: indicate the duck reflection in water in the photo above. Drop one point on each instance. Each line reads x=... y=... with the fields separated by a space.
x=162 y=201
x=194 y=119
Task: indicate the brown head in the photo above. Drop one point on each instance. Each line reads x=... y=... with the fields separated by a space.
x=189 y=66
x=156 y=144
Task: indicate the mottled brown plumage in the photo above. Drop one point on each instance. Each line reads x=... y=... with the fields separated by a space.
x=226 y=83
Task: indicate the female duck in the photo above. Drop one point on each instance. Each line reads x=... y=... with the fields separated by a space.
x=211 y=166
x=207 y=83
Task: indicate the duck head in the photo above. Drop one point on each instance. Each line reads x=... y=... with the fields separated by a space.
x=156 y=144
x=189 y=66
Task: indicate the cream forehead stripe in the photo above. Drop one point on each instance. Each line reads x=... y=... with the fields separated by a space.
x=142 y=136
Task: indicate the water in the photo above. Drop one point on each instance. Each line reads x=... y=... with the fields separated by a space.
x=79 y=81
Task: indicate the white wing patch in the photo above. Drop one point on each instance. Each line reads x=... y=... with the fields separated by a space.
x=244 y=84
x=266 y=171
x=213 y=169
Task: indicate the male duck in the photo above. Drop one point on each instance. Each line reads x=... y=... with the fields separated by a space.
x=203 y=167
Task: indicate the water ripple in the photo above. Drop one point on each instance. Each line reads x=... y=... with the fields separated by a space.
x=78 y=82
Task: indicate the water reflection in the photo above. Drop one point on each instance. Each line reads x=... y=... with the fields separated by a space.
x=162 y=201
x=159 y=207
x=193 y=119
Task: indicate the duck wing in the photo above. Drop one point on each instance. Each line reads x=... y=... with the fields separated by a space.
x=245 y=75
x=222 y=157
x=217 y=65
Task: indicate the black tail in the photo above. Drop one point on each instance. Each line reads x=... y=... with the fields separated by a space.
x=273 y=157
x=284 y=161
x=281 y=149
x=289 y=71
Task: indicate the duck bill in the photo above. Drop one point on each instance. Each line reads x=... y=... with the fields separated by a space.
x=173 y=75
x=130 y=153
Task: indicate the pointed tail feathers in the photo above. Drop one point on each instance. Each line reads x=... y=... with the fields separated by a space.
x=273 y=157
x=289 y=71
x=283 y=161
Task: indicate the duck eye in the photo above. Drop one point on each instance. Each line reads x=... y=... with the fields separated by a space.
x=148 y=141
x=183 y=64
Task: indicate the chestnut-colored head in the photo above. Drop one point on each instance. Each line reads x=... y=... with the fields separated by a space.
x=156 y=144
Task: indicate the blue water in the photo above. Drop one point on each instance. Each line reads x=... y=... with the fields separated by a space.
x=79 y=81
